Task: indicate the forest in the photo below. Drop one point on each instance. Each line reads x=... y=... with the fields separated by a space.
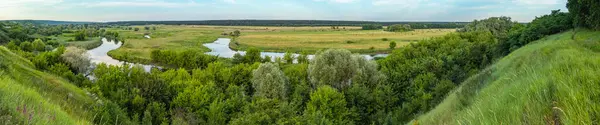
x=334 y=87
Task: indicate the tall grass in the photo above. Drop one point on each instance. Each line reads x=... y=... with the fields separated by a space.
x=31 y=96
x=554 y=80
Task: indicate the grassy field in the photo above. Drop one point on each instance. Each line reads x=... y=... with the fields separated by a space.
x=137 y=48
x=554 y=80
x=312 y=39
x=181 y=38
x=29 y=96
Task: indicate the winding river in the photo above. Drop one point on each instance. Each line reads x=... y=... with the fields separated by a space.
x=218 y=48
x=100 y=54
x=221 y=48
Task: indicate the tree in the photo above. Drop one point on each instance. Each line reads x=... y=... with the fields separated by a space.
x=399 y=28
x=237 y=33
x=327 y=105
x=77 y=58
x=237 y=58
x=38 y=45
x=269 y=82
x=26 y=46
x=12 y=45
x=252 y=55
x=146 y=28
x=136 y=29
x=288 y=57
x=586 y=13
x=372 y=27
x=334 y=67
x=393 y=45
x=267 y=59
x=498 y=26
x=303 y=58
x=80 y=36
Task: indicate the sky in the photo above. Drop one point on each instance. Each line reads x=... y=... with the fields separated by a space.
x=355 y=10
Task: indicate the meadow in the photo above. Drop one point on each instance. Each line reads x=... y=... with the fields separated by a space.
x=180 y=38
x=312 y=39
x=137 y=48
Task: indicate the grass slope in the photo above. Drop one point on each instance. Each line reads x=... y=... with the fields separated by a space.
x=553 y=80
x=29 y=96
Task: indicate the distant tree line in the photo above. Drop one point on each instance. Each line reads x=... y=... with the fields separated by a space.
x=416 y=25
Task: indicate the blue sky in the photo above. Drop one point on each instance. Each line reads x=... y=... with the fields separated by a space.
x=368 y=10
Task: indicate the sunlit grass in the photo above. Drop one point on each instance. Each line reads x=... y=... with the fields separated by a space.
x=552 y=80
x=49 y=99
x=352 y=39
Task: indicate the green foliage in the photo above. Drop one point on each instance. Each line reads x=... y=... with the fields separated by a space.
x=372 y=27
x=77 y=58
x=586 y=13
x=80 y=36
x=26 y=46
x=252 y=55
x=236 y=33
x=270 y=82
x=38 y=45
x=12 y=45
x=553 y=23
x=327 y=106
x=498 y=26
x=393 y=45
x=187 y=59
x=288 y=57
x=399 y=28
x=334 y=67
x=303 y=57
x=451 y=58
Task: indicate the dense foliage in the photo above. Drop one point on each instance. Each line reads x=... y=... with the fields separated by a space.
x=586 y=13
x=399 y=28
x=372 y=27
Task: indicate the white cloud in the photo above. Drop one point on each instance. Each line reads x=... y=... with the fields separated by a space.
x=536 y=2
x=138 y=3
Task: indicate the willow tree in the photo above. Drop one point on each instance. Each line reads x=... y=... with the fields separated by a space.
x=334 y=67
x=269 y=81
x=77 y=58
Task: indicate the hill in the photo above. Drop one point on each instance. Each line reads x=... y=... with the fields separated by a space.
x=29 y=96
x=552 y=80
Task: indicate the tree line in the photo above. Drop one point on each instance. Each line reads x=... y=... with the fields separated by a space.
x=417 y=25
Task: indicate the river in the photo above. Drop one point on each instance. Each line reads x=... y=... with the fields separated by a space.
x=218 y=48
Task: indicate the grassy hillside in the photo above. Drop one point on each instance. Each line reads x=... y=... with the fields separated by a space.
x=29 y=96
x=555 y=79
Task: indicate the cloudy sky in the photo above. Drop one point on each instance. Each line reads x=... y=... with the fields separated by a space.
x=371 y=10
